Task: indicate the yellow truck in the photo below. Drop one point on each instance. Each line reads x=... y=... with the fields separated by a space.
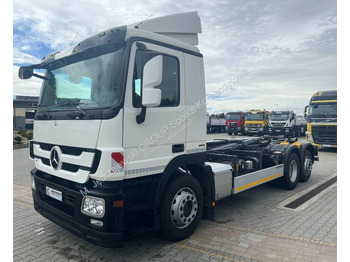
x=321 y=115
x=256 y=122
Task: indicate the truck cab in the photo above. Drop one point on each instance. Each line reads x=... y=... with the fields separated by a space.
x=235 y=122
x=321 y=115
x=283 y=123
x=256 y=122
x=92 y=166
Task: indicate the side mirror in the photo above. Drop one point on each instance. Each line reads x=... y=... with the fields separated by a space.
x=25 y=72
x=305 y=111
x=152 y=77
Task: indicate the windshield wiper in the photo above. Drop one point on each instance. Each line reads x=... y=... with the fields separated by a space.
x=46 y=114
x=80 y=113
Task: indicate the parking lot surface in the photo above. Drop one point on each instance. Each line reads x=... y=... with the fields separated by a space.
x=254 y=225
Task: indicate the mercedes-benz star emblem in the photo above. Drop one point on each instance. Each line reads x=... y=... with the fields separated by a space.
x=55 y=161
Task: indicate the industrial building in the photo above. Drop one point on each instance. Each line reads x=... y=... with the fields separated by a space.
x=24 y=108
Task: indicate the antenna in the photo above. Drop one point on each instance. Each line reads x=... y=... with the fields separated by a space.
x=136 y=26
x=74 y=38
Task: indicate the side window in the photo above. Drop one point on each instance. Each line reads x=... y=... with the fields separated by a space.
x=170 y=85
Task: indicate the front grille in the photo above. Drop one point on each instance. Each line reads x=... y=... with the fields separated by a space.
x=69 y=150
x=72 y=165
x=278 y=124
x=324 y=134
x=252 y=125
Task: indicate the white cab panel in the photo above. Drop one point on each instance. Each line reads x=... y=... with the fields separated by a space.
x=75 y=133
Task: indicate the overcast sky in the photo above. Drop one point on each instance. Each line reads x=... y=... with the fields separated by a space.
x=289 y=47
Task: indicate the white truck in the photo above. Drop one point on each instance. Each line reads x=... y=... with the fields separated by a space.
x=120 y=137
x=286 y=123
x=216 y=123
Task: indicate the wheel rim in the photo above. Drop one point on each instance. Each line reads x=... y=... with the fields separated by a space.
x=184 y=208
x=293 y=170
x=307 y=166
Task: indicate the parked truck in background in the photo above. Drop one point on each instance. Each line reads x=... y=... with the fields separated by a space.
x=256 y=122
x=235 y=122
x=301 y=123
x=216 y=123
x=286 y=123
x=120 y=138
x=321 y=115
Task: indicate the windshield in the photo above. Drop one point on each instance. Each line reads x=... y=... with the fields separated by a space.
x=233 y=116
x=257 y=117
x=279 y=117
x=323 y=110
x=84 y=83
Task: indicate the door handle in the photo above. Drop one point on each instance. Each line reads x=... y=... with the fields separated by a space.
x=178 y=148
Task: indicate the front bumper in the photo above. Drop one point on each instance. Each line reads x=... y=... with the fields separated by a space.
x=67 y=214
x=234 y=129
x=277 y=131
x=255 y=130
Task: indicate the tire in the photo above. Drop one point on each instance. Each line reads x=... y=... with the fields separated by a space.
x=291 y=172
x=292 y=133
x=306 y=167
x=236 y=133
x=181 y=208
x=230 y=133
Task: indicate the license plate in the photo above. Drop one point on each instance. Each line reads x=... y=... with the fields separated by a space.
x=278 y=130
x=327 y=145
x=54 y=193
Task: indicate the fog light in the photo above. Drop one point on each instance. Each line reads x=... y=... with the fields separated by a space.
x=96 y=222
x=93 y=206
x=33 y=182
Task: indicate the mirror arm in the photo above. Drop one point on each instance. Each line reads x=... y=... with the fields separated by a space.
x=140 y=118
x=40 y=76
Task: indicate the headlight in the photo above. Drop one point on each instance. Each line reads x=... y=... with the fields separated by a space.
x=93 y=206
x=261 y=129
x=33 y=182
x=287 y=130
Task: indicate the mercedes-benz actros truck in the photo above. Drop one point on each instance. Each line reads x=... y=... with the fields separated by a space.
x=120 y=142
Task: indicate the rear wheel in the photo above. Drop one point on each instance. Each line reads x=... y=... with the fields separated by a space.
x=306 y=167
x=229 y=133
x=291 y=172
x=181 y=208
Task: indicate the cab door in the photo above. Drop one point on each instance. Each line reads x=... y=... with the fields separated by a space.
x=153 y=140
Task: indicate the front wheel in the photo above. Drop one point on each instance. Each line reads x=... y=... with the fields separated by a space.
x=306 y=167
x=291 y=172
x=229 y=133
x=181 y=208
